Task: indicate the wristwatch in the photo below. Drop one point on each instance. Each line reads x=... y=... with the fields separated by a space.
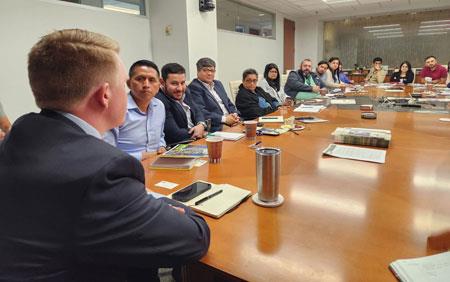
x=203 y=123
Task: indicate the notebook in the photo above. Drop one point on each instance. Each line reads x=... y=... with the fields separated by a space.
x=173 y=163
x=230 y=197
x=233 y=136
x=435 y=268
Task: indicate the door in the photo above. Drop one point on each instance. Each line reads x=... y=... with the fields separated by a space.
x=289 y=44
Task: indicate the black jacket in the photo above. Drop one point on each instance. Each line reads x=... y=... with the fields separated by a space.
x=176 y=124
x=408 y=79
x=248 y=103
x=74 y=208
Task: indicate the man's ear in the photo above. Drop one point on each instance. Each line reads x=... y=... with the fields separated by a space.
x=102 y=95
x=162 y=83
x=128 y=83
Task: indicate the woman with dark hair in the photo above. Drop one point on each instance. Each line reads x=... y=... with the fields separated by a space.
x=271 y=83
x=251 y=100
x=331 y=76
x=404 y=75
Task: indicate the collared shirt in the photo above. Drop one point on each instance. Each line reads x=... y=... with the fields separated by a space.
x=187 y=111
x=89 y=129
x=216 y=97
x=141 y=131
x=438 y=73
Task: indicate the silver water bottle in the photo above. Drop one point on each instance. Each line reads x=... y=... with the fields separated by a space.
x=268 y=173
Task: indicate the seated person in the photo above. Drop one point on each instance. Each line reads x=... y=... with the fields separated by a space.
x=376 y=74
x=321 y=69
x=303 y=84
x=210 y=96
x=405 y=74
x=271 y=84
x=252 y=101
x=184 y=120
x=5 y=125
x=142 y=133
x=343 y=77
x=73 y=208
x=331 y=77
x=435 y=71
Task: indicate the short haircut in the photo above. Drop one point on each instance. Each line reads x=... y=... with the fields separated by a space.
x=205 y=63
x=323 y=62
x=429 y=57
x=248 y=72
x=64 y=65
x=171 y=68
x=305 y=60
x=142 y=63
x=377 y=59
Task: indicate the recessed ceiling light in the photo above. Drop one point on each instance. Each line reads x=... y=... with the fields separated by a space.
x=391 y=36
x=434 y=26
x=430 y=33
x=440 y=21
x=261 y=15
x=387 y=33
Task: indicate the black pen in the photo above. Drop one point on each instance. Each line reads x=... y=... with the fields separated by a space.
x=292 y=130
x=208 y=197
x=254 y=145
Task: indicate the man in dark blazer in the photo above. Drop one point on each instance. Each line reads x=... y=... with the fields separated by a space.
x=184 y=120
x=211 y=97
x=72 y=207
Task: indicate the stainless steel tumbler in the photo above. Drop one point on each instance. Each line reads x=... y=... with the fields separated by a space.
x=268 y=173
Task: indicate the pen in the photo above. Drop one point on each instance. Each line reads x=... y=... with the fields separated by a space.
x=208 y=197
x=254 y=145
x=269 y=118
x=291 y=130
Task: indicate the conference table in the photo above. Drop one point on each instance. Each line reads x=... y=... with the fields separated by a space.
x=342 y=220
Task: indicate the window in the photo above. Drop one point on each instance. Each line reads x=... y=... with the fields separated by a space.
x=135 y=7
x=237 y=17
x=395 y=38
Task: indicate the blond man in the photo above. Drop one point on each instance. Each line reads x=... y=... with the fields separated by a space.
x=72 y=207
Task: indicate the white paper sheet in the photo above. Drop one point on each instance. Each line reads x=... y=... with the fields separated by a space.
x=356 y=153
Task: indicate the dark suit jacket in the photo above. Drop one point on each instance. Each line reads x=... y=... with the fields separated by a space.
x=74 y=208
x=176 y=124
x=208 y=105
x=296 y=83
x=248 y=103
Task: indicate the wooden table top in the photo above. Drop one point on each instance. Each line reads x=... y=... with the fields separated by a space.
x=342 y=220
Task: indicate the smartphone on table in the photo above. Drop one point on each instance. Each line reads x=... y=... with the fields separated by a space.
x=190 y=192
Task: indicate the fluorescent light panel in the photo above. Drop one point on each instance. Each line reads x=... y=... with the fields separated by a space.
x=391 y=36
x=430 y=33
x=387 y=29
x=387 y=33
x=337 y=1
x=121 y=9
x=440 y=21
x=381 y=26
x=434 y=26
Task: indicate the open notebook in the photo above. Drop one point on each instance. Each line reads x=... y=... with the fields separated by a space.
x=230 y=197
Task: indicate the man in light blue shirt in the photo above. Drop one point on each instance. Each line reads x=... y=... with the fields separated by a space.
x=142 y=133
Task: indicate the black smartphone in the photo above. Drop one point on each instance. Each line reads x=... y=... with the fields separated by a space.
x=191 y=191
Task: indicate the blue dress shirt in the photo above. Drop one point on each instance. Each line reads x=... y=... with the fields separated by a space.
x=141 y=132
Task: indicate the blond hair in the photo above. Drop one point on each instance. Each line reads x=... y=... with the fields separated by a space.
x=64 y=65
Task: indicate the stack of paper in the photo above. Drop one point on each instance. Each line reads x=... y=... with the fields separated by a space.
x=343 y=102
x=355 y=153
x=362 y=136
x=309 y=108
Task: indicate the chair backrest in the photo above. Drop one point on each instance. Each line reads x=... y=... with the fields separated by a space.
x=414 y=72
x=234 y=88
x=283 y=80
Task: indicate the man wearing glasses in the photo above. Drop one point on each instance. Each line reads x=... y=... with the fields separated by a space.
x=210 y=96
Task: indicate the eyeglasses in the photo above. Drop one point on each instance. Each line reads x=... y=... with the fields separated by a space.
x=251 y=81
x=209 y=70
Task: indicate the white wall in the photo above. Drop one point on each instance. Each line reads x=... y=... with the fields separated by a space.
x=202 y=36
x=238 y=51
x=308 y=40
x=169 y=47
x=23 y=22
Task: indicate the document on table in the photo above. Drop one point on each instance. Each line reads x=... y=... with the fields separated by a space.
x=356 y=153
x=343 y=102
x=434 y=268
x=309 y=108
x=271 y=119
